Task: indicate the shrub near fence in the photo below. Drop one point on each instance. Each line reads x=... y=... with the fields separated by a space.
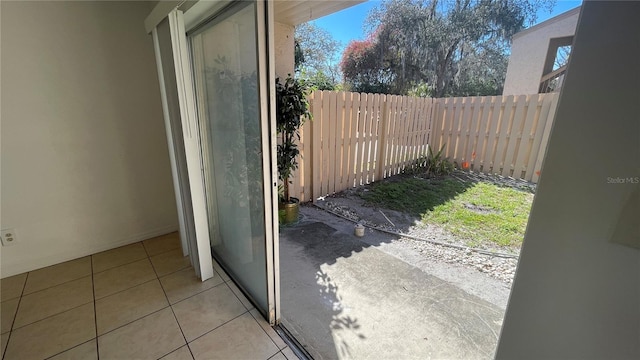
x=357 y=138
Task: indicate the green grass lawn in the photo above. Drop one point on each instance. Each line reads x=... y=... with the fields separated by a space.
x=480 y=213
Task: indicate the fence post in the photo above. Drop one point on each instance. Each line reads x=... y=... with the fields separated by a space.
x=382 y=140
x=314 y=156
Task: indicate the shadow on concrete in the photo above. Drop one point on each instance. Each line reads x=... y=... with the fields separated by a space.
x=311 y=300
x=344 y=298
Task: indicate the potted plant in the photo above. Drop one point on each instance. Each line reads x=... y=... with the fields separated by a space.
x=292 y=109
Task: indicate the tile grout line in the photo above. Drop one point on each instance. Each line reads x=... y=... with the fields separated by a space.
x=62 y=283
x=219 y=326
x=274 y=355
x=127 y=289
x=51 y=287
x=172 y=312
x=132 y=321
x=71 y=348
x=249 y=310
x=50 y=316
x=131 y=262
x=162 y=252
x=265 y=331
x=95 y=310
x=238 y=296
x=117 y=266
x=24 y=285
x=190 y=296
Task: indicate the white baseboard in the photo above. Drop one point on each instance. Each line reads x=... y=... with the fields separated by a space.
x=19 y=268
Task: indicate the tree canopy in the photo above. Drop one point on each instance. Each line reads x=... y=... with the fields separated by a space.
x=437 y=48
x=316 y=56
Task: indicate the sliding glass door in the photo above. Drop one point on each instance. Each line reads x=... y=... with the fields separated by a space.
x=229 y=82
x=217 y=84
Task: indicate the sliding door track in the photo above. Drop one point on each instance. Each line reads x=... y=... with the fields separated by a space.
x=293 y=343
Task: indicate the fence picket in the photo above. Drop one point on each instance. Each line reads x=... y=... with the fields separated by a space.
x=406 y=129
x=472 y=141
x=417 y=123
x=545 y=139
x=497 y=108
x=391 y=108
x=405 y=133
x=344 y=144
x=438 y=112
x=382 y=140
x=483 y=132
x=366 y=147
x=397 y=125
x=448 y=129
x=537 y=140
x=396 y=135
x=514 y=133
x=455 y=125
x=526 y=138
x=373 y=136
x=337 y=158
x=360 y=143
x=423 y=127
x=503 y=134
x=463 y=130
x=355 y=108
x=408 y=137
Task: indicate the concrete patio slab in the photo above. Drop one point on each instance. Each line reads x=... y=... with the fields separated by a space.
x=344 y=298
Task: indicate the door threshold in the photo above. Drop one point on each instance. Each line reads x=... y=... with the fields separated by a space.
x=295 y=346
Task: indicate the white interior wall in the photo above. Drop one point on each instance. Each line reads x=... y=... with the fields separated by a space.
x=85 y=165
x=529 y=52
x=576 y=293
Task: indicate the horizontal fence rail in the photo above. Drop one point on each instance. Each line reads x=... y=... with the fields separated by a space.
x=358 y=138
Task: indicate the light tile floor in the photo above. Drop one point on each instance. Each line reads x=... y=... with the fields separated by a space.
x=140 y=301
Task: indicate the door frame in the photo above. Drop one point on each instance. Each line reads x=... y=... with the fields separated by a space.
x=196 y=15
x=197 y=239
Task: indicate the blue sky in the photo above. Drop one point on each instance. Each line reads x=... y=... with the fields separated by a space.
x=348 y=24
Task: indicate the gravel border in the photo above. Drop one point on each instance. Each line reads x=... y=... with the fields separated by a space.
x=434 y=242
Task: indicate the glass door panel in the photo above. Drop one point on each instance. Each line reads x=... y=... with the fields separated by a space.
x=225 y=60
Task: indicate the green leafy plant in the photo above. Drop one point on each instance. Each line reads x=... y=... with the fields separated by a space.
x=292 y=109
x=433 y=164
x=241 y=146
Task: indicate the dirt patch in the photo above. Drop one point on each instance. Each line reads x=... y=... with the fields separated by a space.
x=480 y=209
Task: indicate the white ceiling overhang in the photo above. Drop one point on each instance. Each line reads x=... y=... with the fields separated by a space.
x=291 y=12
x=295 y=12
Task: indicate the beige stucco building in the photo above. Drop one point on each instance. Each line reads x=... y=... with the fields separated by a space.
x=533 y=52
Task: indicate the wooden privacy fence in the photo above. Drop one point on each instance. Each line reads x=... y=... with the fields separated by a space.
x=504 y=135
x=356 y=139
